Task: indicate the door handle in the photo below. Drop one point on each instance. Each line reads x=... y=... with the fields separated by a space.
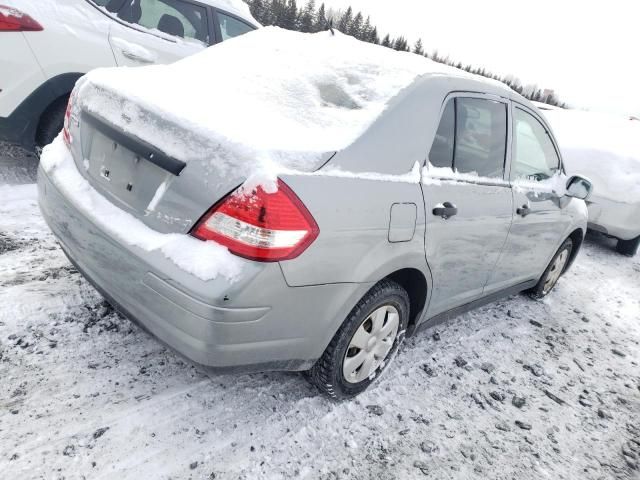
x=137 y=58
x=445 y=210
x=523 y=211
x=132 y=51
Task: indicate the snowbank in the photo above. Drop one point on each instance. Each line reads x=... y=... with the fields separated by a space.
x=205 y=260
x=271 y=95
x=603 y=147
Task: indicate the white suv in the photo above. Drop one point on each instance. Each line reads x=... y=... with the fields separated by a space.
x=45 y=46
x=605 y=148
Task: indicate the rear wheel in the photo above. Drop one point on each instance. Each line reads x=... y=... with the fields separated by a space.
x=554 y=271
x=628 y=247
x=365 y=344
x=51 y=123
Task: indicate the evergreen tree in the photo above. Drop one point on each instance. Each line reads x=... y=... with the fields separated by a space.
x=418 y=48
x=373 y=36
x=386 y=41
x=257 y=9
x=355 y=29
x=291 y=16
x=321 y=19
x=366 y=30
x=401 y=44
x=308 y=17
x=344 y=24
x=277 y=13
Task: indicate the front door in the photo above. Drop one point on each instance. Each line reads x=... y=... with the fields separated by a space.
x=539 y=220
x=467 y=198
x=159 y=31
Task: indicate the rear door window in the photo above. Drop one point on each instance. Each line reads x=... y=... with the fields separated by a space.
x=481 y=137
x=173 y=17
x=231 y=27
x=471 y=137
x=535 y=157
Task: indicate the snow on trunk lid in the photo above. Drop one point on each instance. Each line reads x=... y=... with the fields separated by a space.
x=169 y=190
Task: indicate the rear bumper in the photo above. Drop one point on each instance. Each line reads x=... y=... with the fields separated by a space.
x=256 y=323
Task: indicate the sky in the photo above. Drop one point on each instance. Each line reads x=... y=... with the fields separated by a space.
x=588 y=52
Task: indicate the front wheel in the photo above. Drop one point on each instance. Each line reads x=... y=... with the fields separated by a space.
x=553 y=272
x=365 y=344
x=628 y=247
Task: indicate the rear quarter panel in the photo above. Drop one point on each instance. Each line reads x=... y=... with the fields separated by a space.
x=353 y=215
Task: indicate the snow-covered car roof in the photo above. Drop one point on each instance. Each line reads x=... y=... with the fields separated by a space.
x=273 y=90
x=602 y=146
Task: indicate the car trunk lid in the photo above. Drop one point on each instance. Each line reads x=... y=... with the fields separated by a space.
x=155 y=167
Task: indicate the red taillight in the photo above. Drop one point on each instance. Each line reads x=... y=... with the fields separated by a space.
x=67 y=120
x=13 y=20
x=262 y=226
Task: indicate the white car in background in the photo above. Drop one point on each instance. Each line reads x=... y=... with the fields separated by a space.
x=47 y=45
x=606 y=149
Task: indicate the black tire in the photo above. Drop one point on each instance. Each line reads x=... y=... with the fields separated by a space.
x=539 y=290
x=327 y=373
x=51 y=123
x=628 y=247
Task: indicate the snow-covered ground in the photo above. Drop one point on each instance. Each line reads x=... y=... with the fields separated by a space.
x=518 y=389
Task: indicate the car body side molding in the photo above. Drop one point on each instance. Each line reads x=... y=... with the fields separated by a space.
x=467 y=307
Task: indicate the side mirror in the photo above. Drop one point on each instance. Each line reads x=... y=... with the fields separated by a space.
x=579 y=187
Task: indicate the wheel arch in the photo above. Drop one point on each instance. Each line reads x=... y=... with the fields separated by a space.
x=415 y=284
x=30 y=112
x=46 y=114
x=577 y=237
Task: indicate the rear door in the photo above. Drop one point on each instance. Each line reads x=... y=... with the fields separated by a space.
x=467 y=198
x=540 y=220
x=159 y=31
x=74 y=39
